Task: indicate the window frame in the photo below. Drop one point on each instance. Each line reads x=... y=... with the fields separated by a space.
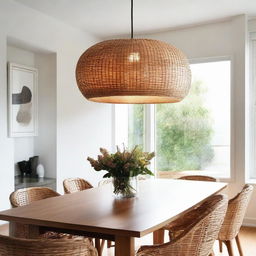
x=251 y=113
x=150 y=118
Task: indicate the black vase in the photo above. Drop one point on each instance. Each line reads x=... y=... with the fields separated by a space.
x=33 y=161
x=24 y=167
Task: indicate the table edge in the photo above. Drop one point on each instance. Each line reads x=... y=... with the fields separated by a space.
x=107 y=231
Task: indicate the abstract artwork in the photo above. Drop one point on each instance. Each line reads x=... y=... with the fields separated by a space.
x=22 y=100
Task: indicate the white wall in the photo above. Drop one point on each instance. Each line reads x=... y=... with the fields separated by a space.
x=252 y=25
x=251 y=216
x=82 y=127
x=227 y=38
x=45 y=144
x=6 y=144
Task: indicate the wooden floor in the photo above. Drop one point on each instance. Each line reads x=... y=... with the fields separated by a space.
x=247 y=236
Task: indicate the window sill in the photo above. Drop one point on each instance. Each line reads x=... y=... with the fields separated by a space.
x=176 y=174
x=251 y=181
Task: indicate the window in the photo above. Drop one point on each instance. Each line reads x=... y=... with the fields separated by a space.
x=192 y=135
x=136 y=125
x=130 y=125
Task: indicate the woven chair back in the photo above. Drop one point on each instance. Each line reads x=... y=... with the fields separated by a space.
x=45 y=247
x=198 y=178
x=73 y=185
x=22 y=197
x=106 y=181
x=199 y=237
x=26 y=196
x=235 y=214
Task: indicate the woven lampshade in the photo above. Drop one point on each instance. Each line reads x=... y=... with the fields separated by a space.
x=133 y=71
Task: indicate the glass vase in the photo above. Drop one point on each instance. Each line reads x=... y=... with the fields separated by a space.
x=125 y=187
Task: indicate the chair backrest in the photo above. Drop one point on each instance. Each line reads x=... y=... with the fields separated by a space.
x=198 y=178
x=46 y=247
x=26 y=196
x=235 y=214
x=106 y=181
x=73 y=185
x=199 y=237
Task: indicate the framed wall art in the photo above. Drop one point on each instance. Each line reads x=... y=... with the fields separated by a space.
x=22 y=100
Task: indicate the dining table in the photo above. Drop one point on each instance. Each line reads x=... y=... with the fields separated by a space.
x=97 y=213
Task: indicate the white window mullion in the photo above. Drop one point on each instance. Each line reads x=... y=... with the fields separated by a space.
x=253 y=100
x=150 y=132
x=251 y=113
x=121 y=125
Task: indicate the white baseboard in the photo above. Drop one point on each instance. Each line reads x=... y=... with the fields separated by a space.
x=249 y=222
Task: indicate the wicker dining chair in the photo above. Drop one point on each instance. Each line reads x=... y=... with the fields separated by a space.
x=73 y=185
x=106 y=181
x=22 y=197
x=45 y=247
x=234 y=218
x=198 y=178
x=198 y=237
x=25 y=196
x=180 y=221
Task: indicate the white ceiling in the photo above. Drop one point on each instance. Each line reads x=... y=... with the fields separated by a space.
x=106 y=18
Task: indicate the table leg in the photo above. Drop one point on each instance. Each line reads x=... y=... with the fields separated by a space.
x=98 y=246
x=12 y=228
x=158 y=236
x=33 y=231
x=124 y=246
x=23 y=231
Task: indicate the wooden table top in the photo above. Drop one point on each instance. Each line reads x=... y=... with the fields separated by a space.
x=96 y=210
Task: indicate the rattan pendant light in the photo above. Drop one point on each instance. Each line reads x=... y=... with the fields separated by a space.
x=133 y=71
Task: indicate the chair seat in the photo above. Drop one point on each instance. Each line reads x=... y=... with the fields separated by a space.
x=26 y=196
x=177 y=226
x=45 y=247
x=55 y=235
x=198 y=237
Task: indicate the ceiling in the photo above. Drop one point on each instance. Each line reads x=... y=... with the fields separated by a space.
x=105 y=18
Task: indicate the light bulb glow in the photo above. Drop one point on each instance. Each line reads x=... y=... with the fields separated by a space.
x=134 y=57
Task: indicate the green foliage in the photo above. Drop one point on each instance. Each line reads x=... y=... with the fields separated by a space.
x=123 y=163
x=136 y=126
x=183 y=130
x=184 y=133
x=123 y=186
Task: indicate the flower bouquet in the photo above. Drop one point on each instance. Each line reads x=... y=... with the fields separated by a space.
x=123 y=167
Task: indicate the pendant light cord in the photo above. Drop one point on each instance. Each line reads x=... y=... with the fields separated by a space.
x=131 y=19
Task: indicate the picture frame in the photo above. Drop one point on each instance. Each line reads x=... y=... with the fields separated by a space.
x=22 y=100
